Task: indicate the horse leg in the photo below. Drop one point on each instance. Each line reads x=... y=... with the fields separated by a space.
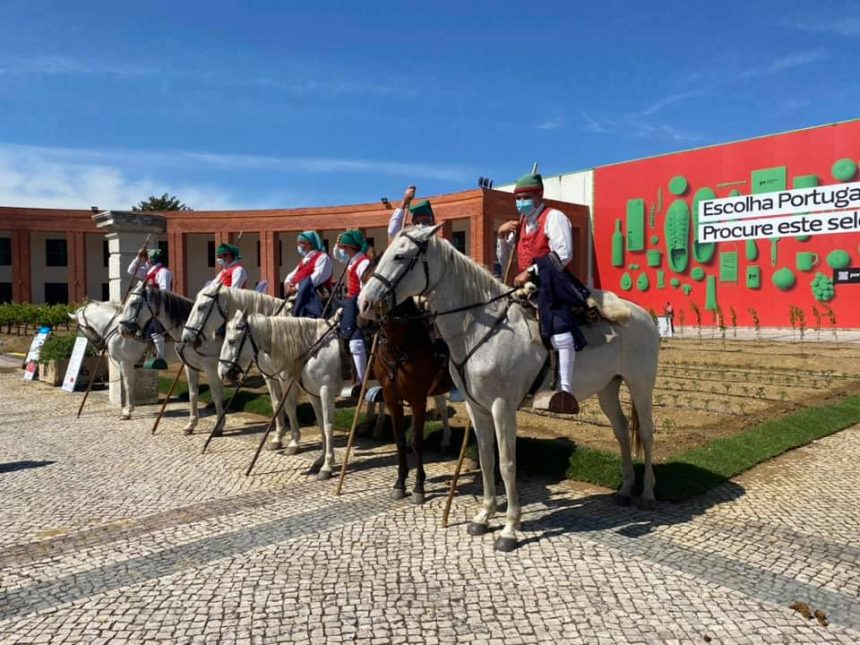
x=611 y=406
x=291 y=413
x=395 y=409
x=216 y=389
x=127 y=377
x=505 y=420
x=641 y=395
x=379 y=414
x=441 y=402
x=193 y=387
x=482 y=421
x=324 y=409
x=419 y=410
x=275 y=393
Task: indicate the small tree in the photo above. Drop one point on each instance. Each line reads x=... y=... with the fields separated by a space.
x=164 y=203
x=721 y=322
x=817 y=315
x=698 y=314
x=831 y=318
x=798 y=322
x=755 y=321
x=792 y=318
x=733 y=316
x=681 y=321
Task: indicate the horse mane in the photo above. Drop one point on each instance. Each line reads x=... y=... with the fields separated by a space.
x=247 y=300
x=289 y=338
x=177 y=308
x=475 y=279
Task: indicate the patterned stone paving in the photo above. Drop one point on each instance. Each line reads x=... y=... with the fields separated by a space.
x=109 y=534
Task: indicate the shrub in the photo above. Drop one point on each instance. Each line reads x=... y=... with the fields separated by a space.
x=58 y=347
x=755 y=321
x=698 y=314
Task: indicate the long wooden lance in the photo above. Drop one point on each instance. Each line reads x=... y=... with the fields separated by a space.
x=453 y=485
x=271 y=424
x=101 y=360
x=357 y=412
x=167 y=398
x=506 y=278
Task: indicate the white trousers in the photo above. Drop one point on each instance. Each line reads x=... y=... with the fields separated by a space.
x=566 y=356
x=158 y=341
x=359 y=357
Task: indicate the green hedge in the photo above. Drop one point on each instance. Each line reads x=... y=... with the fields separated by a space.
x=26 y=315
x=59 y=348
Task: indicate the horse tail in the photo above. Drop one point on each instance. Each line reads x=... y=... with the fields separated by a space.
x=634 y=430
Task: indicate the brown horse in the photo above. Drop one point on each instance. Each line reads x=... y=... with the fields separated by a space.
x=409 y=367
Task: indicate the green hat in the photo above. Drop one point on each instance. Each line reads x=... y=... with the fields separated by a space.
x=422 y=209
x=353 y=238
x=312 y=238
x=155 y=255
x=529 y=183
x=232 y=249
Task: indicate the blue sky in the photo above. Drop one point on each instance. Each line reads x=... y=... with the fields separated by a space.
x=276 y=104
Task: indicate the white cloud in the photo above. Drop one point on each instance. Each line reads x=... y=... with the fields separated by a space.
x=69 y=66
x=790 y=61
x=847 y=26
x=657 y=106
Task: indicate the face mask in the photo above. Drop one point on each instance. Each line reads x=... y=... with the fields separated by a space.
x=221 y=262
x=341 y=255
x=301 y=251
x=525 y=206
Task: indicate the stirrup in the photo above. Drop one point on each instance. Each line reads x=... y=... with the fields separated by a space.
x=557 y=402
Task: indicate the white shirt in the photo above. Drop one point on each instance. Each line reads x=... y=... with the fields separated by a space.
x=140 y=269
x=557 y=229
x=322 y=269
x=396 y=221
x=240 y=276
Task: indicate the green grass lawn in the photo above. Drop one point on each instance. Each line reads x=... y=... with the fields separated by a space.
x=683 y=476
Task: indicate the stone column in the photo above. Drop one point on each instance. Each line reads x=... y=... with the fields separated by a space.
x=269 y=265
x=126 y=233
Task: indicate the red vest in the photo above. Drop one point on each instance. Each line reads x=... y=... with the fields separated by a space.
x=535 y=244
x=226 y=275
x=305 y=270
x=353 y=284
x=151 y=275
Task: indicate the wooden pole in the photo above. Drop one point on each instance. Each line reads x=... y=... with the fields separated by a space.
x=102 y=355
x=269 y=427
x=453 y=486
x=357 y=412
x=167 y=398
x=223 y=413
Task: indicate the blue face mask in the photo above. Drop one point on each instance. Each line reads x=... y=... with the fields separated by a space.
x=221 y=262
x=301 y=251
x=341 y=255
x=525 y=206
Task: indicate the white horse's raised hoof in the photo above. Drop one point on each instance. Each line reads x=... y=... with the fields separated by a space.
x=505 y=544
x=125 y=415
x=323 y=475
x=292 y=450
x=417 y=497
x=622 y=500
x=475 y=528
x=274 y=445
x=397 y=493
x=647 y=504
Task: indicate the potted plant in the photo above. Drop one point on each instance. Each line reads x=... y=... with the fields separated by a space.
x=54 y=360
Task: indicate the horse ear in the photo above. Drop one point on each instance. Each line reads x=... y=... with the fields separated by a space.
x=432 y=230
x=71 y=315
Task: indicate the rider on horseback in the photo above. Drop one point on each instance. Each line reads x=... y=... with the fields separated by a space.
x=311 y=275
x=148 y=268
x=544 y=252
x=351 y=249
x=422 y=213
x=232 y=273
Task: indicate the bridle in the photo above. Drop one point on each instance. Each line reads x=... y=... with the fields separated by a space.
x=143 y=299
x=233 y=366
x=93 y=335
x=198 y=331
x=391 y=285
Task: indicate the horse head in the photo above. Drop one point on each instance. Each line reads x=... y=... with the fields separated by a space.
x=239 y=348
x=206 y=316
x=137 y=312
x=403 y=271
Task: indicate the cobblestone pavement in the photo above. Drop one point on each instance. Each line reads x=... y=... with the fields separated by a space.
x=109 y=534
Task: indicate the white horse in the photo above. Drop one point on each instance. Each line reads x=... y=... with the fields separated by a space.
x=497 y=354
x=99 y=322
x=300 y=349
x=145 y=303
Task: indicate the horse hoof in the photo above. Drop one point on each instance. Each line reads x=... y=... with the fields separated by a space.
x=292 y=450
x=622 y=500
x=323 y=475
x=477 y=529
x=646 y=504
x=274 y=445
x=505 y=544
x=417 y=497
x=397 y=493
x=314 y=469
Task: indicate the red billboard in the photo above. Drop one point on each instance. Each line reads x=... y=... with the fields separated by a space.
x=645 y=216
